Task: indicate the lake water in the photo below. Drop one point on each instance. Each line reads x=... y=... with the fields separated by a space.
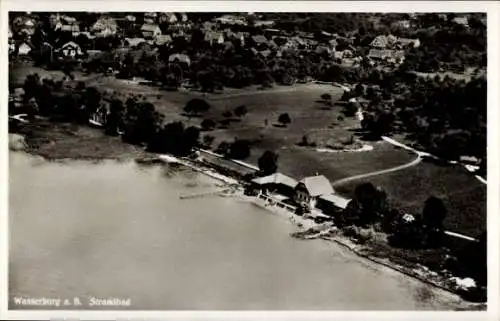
x=119 y=230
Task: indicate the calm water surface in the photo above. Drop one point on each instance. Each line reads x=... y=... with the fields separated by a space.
x=108 y=229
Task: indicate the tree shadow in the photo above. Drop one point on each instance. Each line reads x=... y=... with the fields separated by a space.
x=277 y=125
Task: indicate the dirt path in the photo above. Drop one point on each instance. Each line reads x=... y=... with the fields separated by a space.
x=384 y=171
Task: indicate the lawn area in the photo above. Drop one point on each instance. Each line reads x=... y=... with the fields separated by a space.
x=463 y=195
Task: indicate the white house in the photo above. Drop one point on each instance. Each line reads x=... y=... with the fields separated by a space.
x=71 y=50
x=150 y=31
x=311 y=188
x=23 y=49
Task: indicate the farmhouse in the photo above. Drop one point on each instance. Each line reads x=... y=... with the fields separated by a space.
x=71 y=50
x=309 y=189
x=275 y=183
x=150 y=31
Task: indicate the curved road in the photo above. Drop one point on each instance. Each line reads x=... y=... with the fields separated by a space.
x=384 y=171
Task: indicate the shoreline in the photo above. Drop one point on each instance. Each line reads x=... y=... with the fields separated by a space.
x=301 y=223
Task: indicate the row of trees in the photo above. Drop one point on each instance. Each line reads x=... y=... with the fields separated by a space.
x=445 y=116
x=370 y=207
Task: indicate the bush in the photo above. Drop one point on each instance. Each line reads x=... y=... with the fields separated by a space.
x=208 y=124
x=284 y=119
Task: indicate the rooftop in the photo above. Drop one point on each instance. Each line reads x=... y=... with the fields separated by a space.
x=317 y=185
x=276 y=178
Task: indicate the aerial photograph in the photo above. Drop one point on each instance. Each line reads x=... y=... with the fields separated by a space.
x=247 y=161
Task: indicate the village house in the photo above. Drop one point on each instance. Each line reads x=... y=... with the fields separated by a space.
x=383 y=42
x=463 y=20
x=263 y=23
x=162 y=40
x=231 y=20
x=25 y=26
x=70 y=50
x=309 y=189
x=150 y=17
x=168 y=17
x=391 y=56
x=104 y=27
x=259 y=42
x=23 y=49
x=180 y=59
x=74 y=30
x=214 y=37
x=401 y=24
x=237 y=37
x=275 y=183
x=408 y=43
x=332 y=204
x=150 y=31
x=130 y=18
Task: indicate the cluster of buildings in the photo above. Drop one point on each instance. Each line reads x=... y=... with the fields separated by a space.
x=314 y=193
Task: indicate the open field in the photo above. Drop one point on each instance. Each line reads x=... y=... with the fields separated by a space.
x=463 y=195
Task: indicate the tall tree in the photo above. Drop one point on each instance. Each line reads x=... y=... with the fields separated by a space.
x=268 y=163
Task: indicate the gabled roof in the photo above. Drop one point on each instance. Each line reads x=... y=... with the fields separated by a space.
x=259 y=39
x=163 y=39
x=130 y=18
x=336 y=200
x=104 y=23
x=380 y=42
x=461 y=20
x=265 y=53
x=381 y=54
x=213 y=35
x=179 y=57
x=70 y=28
x=276 y=178
x=150 y=27
x=70 y=44
x=317 y=185
x=134 y=41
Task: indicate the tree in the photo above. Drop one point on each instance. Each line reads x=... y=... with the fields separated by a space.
x=351 y=108
x=433 y=214
x=372 y=203
x=208 y=140
x=240 y=111
x=208 y=124
x=196 y=106
x=327 y=98
x=227 y=114
x=268 y=163
x=114 y=119
x=284 y=119
x=239 y=149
